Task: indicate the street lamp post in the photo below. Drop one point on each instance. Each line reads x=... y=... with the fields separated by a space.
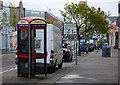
x=6 y=39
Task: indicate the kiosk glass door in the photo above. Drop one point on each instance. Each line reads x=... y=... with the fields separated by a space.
x=23 y=41
x=37 y=42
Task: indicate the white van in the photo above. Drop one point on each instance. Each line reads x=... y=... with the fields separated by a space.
x=54 y=49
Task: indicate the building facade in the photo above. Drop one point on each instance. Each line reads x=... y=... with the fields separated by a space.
x=8 y=26
x=46 y=16
x=34 y=13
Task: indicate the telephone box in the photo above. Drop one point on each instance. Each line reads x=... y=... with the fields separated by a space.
x=31 y=41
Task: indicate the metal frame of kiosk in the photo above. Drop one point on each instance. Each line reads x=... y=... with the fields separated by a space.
x=29 y=45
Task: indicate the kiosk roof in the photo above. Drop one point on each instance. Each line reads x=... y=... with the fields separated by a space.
x=30 y=19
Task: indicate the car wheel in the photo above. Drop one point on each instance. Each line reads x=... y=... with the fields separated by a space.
x=71 y=58
x=68 y=59
x=52 y=69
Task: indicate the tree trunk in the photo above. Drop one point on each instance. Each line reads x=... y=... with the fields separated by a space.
x=78 y=36
x=79 y=47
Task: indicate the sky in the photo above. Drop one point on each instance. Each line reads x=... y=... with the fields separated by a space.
x=56 y=5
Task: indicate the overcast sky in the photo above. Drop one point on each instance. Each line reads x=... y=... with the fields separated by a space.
x=56 y=5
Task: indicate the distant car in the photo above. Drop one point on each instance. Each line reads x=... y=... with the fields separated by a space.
x=83 y=47
x=90 y=47
x=94 y=46
x=67 y=54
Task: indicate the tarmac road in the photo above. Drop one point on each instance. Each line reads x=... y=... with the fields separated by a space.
x=8 y=61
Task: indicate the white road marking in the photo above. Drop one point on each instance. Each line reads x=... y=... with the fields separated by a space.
x=8 y=70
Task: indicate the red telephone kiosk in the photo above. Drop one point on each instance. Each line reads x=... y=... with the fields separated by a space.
x=31 y=40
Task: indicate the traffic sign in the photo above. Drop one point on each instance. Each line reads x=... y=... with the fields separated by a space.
x=70 y=28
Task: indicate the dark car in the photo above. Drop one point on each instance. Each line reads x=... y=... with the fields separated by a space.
x=83 y=47
x=90 y=47
x=67 y=54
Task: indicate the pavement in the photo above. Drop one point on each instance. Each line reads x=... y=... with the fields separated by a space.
x=8 y=61
x=91 y=69
x=94 y=69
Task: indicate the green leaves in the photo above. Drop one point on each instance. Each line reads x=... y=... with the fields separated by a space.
x=11 y=16
x=5 y=18
x=80 y=14
x=14 y=15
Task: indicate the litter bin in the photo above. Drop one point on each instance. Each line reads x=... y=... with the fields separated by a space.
x=106 y=51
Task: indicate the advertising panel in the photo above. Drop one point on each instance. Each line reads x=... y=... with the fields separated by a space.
x=37 y=43
x=111 y=34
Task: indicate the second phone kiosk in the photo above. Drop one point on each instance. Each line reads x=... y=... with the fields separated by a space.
x=30 y=44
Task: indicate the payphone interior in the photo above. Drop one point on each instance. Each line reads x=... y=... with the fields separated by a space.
x=23 y=41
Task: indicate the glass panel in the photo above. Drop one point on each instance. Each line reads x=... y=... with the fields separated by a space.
x=23 y=41
x=37 y=43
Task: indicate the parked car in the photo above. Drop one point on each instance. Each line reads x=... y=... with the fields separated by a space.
x=67 y=54
x=90 y=47
x=54 y=49
x=83 y=47
x=94 y=46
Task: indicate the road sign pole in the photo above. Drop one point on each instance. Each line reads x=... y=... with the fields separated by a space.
x=76 y=49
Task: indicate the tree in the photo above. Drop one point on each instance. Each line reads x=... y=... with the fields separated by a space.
x=76 y=13
x=10 y=16
x=99 y=24
x=5 y=18
x=80 y=14
x=50 y=22
x=14 y=15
